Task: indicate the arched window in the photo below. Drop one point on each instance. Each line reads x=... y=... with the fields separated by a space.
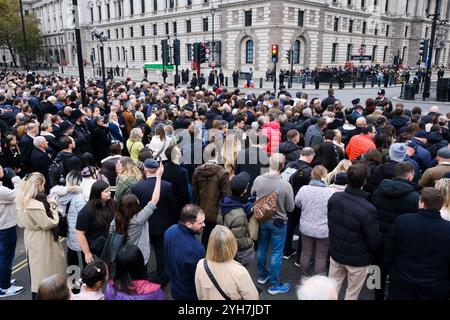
x=249 y=51
x=296 y=49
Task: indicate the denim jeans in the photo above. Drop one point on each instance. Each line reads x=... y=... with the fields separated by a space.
x=274 y=236
x=8 y=239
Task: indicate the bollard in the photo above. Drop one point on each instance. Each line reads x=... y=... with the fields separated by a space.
x=260 y=83
x=373 y=82
x=354 y=82
x=331 y=84
x=304 y=83
x=226 y=81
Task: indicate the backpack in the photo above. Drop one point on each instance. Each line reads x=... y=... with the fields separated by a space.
x=300 y=178
x=264 y=208
x=56 y=173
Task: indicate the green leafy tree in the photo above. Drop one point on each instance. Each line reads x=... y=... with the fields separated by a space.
x=11 y=36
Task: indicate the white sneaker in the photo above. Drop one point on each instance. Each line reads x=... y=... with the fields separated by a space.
x=295 y=237
x=11 y=291
x=13 y=282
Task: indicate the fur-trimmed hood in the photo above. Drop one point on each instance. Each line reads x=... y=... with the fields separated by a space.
x=63 y=190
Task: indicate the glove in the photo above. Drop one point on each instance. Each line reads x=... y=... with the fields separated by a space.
x=9 y=173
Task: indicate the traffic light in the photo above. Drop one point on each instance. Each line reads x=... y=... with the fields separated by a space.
x=274 y=53
x=289 y=55
x=196 y=53
x=423 y=51
x=176 y=52
x=202 y=57
x=165 y=51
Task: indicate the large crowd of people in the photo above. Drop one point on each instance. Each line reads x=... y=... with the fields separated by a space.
x=183 y=175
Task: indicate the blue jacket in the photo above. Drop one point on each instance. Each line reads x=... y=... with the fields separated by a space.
x=422 y=155
x=114 y=130
x=182 y=252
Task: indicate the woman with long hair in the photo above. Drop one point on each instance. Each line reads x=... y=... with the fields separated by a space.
x=230 y=148
x=342 y=166
x=443 y=185
x=130 y=280
x=94 y=220
x=134 y=144
x=71 y=201
x=11 y=153
x=132 y=222
x=128 y=174
x=38 y=215
x=159 y=143
x=230 y=275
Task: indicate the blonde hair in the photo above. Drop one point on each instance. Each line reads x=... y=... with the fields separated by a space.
x=319 y=172
x=129 y=168
x=111 y=115
x=342 y=166
x=222 y=245
x=29 y=188
x=277 y=161
x=443 y=185
x=338 y=137
x=136 y=135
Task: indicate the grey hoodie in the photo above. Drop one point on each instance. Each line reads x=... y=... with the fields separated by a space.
x=77 y=202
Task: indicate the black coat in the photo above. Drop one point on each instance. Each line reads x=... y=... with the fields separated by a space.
x=40 y=162
x=100 y=143
x=178 y=177
x=379 y=173
x=254 y=161
x=161 y=219
x=26 y=147
x=329 y=155
x=417 y=254
x=393 y=198
x=330 y=100
x=290 y=150
x=212 y=115
x=82 y=138
x=353 y=228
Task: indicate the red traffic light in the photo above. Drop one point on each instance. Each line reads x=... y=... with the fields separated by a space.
x=275 y=48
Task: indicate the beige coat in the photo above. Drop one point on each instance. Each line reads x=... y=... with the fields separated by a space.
x=232 y=277
x=45 y=256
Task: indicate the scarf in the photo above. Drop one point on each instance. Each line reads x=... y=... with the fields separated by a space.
x=42 y=197
x=317 y=183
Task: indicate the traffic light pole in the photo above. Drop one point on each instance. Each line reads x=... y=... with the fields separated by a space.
x=427 y=87
x=105 y=93
x=291 y=74
x=275 y=77
x=79 y=53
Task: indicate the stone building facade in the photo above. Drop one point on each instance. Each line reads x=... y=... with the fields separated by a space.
x=321 y=32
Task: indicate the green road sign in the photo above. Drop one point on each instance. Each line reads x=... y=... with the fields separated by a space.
x=157 y=66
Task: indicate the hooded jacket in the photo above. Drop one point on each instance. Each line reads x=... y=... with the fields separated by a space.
x=77 y=202
x=273 y=133
x=290 y=150
x=232 y=216
x=70 y=161
x=210 y=184
x=393 y=198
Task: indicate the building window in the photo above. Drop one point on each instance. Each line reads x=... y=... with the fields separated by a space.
x=132 y=54
x=385 y=53
x=205 y=24
x=131 y=7
x=119 y=5
x=407 y=5
x=374 y=52
x=108 y=11
x=124 y=54
x=109 y=54
x=349 y=2
x=171 y=4
x=188 y=26
x=406 y=31
x=376 y=31
x=167 y=27
x=349 y=52
x=386 y=8
x=155 y=7
x=336 y=24
x=155 y=52
x=131 y=32
x=143 y=8
x=109 y=34
x=248 y=18
x=296 y=51
x=189 y=52
x=155 y=29
x=387 y=30
x=117 y=33
x=301 y=18
x=122 y=32
x=118 y=53
x=189 y=3
x=404 y=53
x=334 y=52
x=175 y=27
x=363 y=3
x=249 y=51
x=364 y=28
x=99 y=13
x=142 y=31
x=92 y=14
x=375 y=3
x=350 y=26
x=144 y=56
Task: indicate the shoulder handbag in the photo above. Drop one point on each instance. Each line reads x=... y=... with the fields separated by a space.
x=113 y=244
x=63 y=225
x=265 y=207
x=214 y=281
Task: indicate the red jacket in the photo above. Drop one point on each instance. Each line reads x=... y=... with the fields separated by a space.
x=273 y=133
x=359 y=145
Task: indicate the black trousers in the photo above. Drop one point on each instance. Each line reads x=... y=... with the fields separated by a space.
x=157 y=242
x=292 y=225
x=209 y=226
x=72 y=258
x=402 y=292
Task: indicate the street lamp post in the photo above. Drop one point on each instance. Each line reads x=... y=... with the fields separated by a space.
x=126 y=58
x=427 y=86
x=79 y=53
x=213 y=12
x=24 y=37
x=100 y=36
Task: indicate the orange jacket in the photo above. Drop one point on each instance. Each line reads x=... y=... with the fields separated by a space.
x=359 y=145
